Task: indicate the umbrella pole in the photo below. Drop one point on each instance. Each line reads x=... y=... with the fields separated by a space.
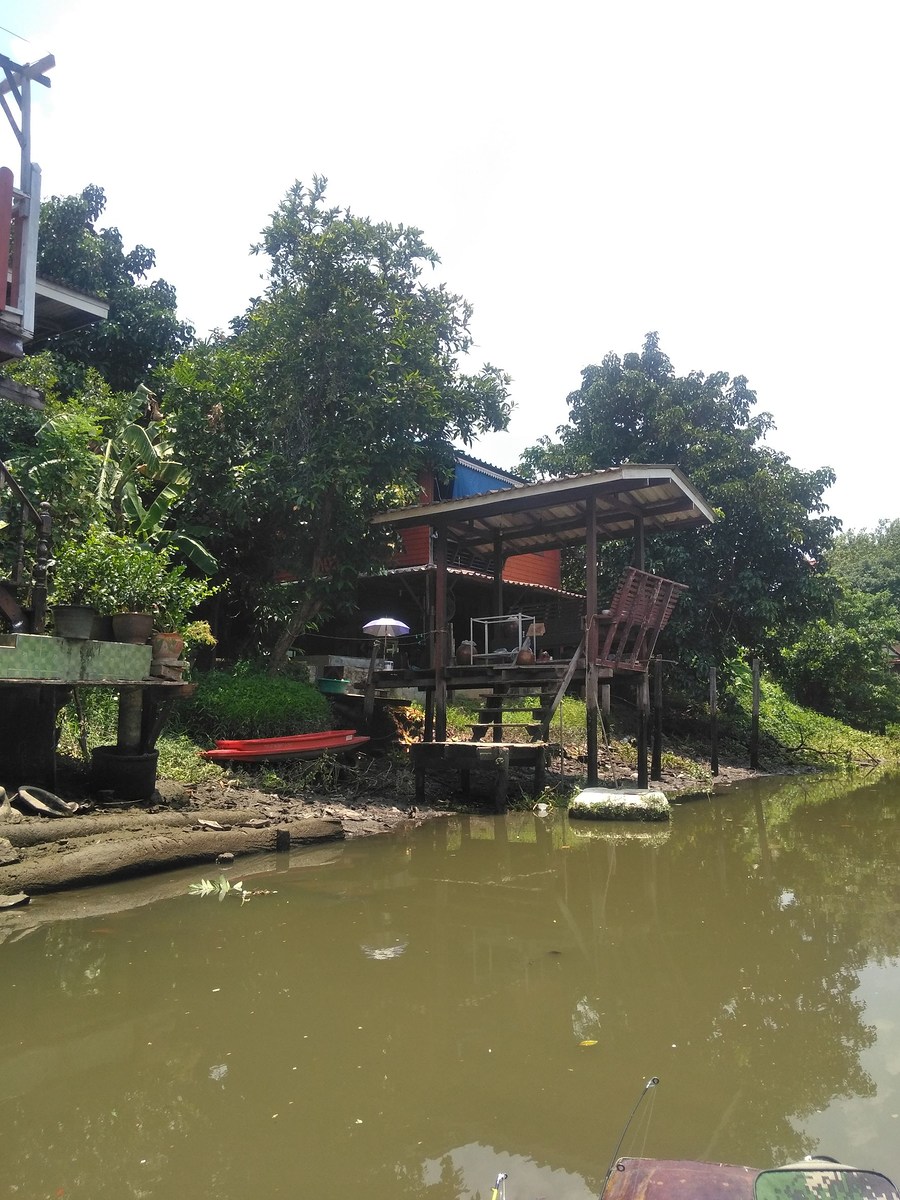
x=369 y=702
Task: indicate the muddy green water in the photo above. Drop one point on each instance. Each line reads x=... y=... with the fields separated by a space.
x=406 y=1016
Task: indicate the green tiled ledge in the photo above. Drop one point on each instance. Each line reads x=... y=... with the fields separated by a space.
x=32 y=656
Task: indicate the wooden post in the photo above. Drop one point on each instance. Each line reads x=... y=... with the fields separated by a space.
x=41 y=562
x=498 y=574
x=540 y=773
x=429 y=613
x=591 y=677
x=754 y=719
x=369 y=701
x=643 y=699
x=656 y=754
x=129 y=728
x=428 y=732
x=502 y=763
x=440 y=637
x=713 y=723
x=639 y=553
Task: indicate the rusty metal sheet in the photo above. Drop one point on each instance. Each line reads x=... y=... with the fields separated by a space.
x=674 y=1179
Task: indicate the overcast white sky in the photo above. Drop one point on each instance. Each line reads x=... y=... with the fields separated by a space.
x=721 y=171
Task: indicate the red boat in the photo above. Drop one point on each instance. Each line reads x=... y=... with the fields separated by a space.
x=305 y=745
x=290 y=740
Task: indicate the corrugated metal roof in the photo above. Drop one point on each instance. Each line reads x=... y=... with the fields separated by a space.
x=483 y=576
x=553 y=514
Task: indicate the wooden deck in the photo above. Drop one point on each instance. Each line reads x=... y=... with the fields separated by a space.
x=484 y=756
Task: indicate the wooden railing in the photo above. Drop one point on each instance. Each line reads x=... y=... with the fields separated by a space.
x=25 y=533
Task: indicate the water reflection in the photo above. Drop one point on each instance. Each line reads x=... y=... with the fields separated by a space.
x=407 y=1014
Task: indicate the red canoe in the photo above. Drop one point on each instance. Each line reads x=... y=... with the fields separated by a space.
x=262 y=753
x=298 y=740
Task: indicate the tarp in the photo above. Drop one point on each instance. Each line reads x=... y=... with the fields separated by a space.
x=469 y=481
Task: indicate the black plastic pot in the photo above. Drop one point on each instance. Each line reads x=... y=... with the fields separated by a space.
x=130 y=777
x=73 y=621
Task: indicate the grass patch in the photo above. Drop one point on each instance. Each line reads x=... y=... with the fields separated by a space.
x=809 y=737
x=248 y=704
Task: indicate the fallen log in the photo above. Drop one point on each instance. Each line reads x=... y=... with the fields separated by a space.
x=53 y=868
x=34 y=831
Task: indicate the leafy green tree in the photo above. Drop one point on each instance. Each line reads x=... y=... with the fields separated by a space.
x=754 y=576
x=839 y=665
x=869 y=560
x=334 y=391
x=143 y=331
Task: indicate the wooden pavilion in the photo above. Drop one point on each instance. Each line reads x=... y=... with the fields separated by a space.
x=634 y=501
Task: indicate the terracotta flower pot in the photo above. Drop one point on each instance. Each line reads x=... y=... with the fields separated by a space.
x=464 y=653
x=133 y=627
x=167 y=647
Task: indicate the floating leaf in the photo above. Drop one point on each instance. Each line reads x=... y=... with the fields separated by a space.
x=588 y=1042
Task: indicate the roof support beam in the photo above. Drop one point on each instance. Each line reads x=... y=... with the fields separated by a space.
x=554 y=535
x=638 y=558
x=498 y=573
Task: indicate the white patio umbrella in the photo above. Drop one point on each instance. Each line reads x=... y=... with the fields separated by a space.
x=385 y=627
x=380 y=627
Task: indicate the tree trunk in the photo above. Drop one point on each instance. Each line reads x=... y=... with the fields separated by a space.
x=305 y=612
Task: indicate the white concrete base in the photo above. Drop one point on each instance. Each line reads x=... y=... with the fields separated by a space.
x=620 y=804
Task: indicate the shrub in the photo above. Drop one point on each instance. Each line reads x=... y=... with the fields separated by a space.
x=247 y=704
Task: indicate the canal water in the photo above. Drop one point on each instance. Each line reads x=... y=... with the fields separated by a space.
x=406 y=1016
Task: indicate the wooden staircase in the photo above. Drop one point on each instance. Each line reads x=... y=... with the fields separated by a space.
x=505 y=699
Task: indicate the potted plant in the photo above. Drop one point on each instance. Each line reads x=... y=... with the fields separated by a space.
x=197 y=636
x=172 y=627
x=77 y=568
x=133 y=586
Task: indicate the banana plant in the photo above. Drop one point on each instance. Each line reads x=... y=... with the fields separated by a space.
x=141 y=485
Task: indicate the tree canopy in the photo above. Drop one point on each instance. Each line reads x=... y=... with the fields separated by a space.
x=334 y=391
x=869 y=560
x=841 y=662
x=143 y=331
x=755 y=575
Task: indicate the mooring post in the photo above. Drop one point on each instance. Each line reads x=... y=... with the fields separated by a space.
x=591 y=674
x=656 y=756
x=502 y=762
x=754 y=719
x=713 y=723
x=643 y=699
x=540 y=773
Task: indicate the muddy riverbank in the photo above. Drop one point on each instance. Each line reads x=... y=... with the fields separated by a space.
x=210 y=824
